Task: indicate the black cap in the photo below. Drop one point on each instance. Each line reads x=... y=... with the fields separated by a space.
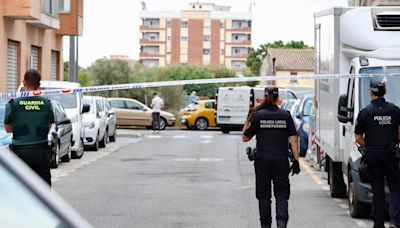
x=271 y=91
x=376 y=85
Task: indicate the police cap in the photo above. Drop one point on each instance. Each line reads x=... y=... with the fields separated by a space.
x=377 y=85
x=271 y=91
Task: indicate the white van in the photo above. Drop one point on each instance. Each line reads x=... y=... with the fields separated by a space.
x=235 y=103
x=72 y=103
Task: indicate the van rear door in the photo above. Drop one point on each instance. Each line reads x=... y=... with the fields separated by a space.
x=233 y=105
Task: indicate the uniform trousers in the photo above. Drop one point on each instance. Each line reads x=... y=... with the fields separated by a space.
x=272 y=169
x=383 y=164
x=37 y=158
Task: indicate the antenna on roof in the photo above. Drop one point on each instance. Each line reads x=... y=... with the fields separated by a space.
x=143 y=5
x=252 y=4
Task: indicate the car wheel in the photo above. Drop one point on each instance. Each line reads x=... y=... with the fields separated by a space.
x=55 y=156
x=79 y=153
x=163 y=123
x=114 y=136
x=225 y=130
x=201 y=124
x=103 y=142
x=96 y=145
x=67 y=157
x=357 y=209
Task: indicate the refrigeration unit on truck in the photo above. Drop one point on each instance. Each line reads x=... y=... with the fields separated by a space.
x=360 y=40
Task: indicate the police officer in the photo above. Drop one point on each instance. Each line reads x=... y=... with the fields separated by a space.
x=272 y=127
x=377 y=130
x=29 y=119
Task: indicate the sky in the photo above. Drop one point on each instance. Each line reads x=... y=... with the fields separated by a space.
x=112 y=27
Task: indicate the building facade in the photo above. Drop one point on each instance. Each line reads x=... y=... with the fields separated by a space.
x=205 y=34
x=31 y=34
x=289 y=62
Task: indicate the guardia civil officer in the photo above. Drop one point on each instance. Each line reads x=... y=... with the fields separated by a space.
x=29 y=119
x=377 y=130
x=273 y=127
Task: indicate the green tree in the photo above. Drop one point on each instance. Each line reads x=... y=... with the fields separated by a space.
x=256 y=56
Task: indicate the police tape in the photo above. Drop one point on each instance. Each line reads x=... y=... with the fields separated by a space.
x=141 y=85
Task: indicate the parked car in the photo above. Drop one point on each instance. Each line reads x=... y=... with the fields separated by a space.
x=23 y=191
x=111 y=121
x=95 y=122
x=60 y=136
x=288 y=104
x=303 y=127
x=72 y=104
x=200 y=116
x=130 y=112
x=5 y=138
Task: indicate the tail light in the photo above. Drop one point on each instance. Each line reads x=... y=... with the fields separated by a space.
x=251 y=104
x=216 y=102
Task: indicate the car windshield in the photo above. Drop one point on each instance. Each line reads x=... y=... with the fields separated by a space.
x=307 y=107
x=392 y=84
x=66 y=100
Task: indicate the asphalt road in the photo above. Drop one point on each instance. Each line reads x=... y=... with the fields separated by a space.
x=187 y=179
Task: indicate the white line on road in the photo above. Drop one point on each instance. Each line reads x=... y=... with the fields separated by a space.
x=360 y=223
x=210 y=159
x=185 y=159
x=154 y=136
x=207 y=141
x=179 y=136
x=246 y=187
x=206 y=136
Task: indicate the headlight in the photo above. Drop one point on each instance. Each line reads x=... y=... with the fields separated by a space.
x=306 y=127
x=89 y=125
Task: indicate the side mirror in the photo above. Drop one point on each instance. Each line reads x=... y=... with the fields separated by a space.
x=66 y=121
x=343 y=111
x=297 y=115
x=85 y=108
x=111 y=114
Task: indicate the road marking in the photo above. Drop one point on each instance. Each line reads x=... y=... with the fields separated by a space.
x=360 y=223
x=210 y=159
x=246 y=187
x=311 y=173
x=207 y=141
x=185 y=159
x=206 y=136
x=154 y=136
x=179 y=136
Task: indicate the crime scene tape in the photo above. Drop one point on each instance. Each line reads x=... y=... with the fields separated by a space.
x=141 y=85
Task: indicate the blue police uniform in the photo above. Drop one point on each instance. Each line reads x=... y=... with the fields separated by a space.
x=272 y=127
x=379 y=123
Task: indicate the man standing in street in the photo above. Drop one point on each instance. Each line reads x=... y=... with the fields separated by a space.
x=156 y=104
x=377 y=132
x=29 y=119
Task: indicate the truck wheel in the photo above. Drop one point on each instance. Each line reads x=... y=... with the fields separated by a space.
x=336 y=182
x=225 y=130
x=357 y=209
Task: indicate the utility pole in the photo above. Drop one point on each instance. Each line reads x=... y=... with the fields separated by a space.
x=73 y=49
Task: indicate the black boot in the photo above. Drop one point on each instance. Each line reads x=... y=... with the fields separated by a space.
x=281 y=224
x=265 y=225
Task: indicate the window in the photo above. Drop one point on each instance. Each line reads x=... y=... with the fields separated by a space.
x=117 y=104
x=65 y=6
x=207 y=23
x=249 y=37
x=133 y=105
x=206 y=51
x=54 y=71
x=293 y=80
x=222 y=24
x=13 y=64
x=184 y=51
x=222 y=52
x=58 y=114
x=184 y=24
x=209 y=105
x=184 y=38
x=35 y=58
x=50 y=7
x=206 y=38
x=168 y=37
x=168 y=23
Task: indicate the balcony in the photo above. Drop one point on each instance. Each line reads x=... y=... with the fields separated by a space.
x=48 y=17
x=71 y=24
x=22 y=10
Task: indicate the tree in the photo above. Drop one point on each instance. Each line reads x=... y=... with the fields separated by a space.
x=256 y=56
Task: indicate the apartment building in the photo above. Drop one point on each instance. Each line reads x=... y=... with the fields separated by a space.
x=31 y=34
x=204 y=34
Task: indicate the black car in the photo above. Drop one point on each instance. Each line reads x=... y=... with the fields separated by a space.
x=60 y=136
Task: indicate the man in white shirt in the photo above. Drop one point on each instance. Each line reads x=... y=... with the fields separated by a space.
x=156 y=104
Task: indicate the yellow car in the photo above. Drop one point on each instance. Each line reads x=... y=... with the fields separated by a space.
x=199 y=116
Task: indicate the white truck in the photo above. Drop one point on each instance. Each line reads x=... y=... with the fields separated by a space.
x=351 y=40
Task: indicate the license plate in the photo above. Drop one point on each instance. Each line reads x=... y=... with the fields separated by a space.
x=224 y=118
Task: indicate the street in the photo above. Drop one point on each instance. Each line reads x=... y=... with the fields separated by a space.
x=186 y=179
